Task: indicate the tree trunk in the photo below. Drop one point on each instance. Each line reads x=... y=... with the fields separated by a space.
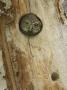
x=38 y=62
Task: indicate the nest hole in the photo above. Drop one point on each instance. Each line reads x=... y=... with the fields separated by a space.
x=54 y=76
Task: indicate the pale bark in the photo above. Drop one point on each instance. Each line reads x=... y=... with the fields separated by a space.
x=30 y=62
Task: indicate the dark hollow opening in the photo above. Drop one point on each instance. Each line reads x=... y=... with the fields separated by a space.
x=55 y=76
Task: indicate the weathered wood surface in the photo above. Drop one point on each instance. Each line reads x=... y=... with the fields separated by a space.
x=30 y=62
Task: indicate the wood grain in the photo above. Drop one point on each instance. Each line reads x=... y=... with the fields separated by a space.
x=32 y=60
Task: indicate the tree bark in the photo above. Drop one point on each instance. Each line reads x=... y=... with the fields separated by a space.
x=39 y=62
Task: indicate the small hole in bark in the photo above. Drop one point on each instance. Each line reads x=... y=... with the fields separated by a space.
x=5 y=89
x=4 y=77
x=55 y=76
x=0 y=72
x=17 y=74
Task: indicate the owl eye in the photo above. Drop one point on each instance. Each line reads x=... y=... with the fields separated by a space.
x=36 y=25
x=27 y=22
